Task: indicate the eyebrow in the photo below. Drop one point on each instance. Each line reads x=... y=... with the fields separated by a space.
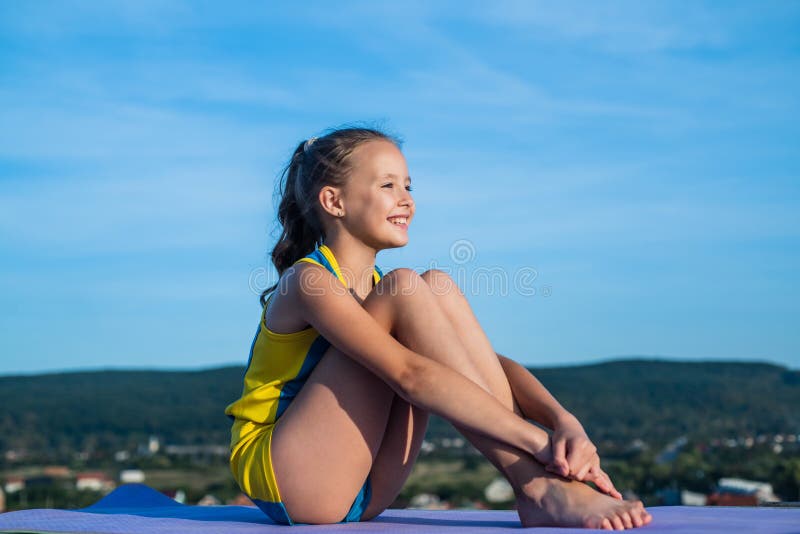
x=392 y=175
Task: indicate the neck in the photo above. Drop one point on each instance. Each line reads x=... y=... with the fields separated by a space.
x=356 y=262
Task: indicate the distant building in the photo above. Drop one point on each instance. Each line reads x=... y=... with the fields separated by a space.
x=241 y=500
x=93 y=481
x=208 y=500
x=741 y=492
x=57 y=471
x=427 y=501
x=499 y=490
x=637 y=445
x=674 y=496
x=427 y=447
x=14 y=456
x=153 y=445
x=150 y=448
x=14 y=484
x=198 y=451
x=671 y=451
x=691 y=498
x=731 y=499
x=131 y=476
x=177 y=495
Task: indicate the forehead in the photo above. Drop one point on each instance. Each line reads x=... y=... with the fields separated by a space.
x=375 y=159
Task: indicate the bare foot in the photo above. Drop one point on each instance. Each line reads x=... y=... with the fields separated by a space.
x=554 y=501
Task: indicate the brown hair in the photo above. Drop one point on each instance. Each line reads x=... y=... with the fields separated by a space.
x=315 y=163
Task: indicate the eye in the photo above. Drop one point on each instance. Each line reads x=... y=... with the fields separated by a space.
x=390 y=184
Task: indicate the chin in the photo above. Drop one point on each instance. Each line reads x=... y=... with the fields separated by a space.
x=394 y=243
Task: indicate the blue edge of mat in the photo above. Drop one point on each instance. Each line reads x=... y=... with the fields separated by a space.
x=138 y=508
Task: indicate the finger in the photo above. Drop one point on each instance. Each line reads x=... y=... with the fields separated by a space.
x=612 y=490
x=580 y=454
x=553 y=468
x=571 y=455
x=559 y=456
x=596 y=475
x=581 y=474
x=556 y=469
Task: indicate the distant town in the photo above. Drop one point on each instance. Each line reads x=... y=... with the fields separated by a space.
x=668 y=433
x=64 y=486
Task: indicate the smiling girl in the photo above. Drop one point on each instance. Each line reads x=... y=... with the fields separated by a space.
x=347 y=363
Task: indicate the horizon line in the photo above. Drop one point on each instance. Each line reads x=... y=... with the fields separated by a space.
x=585 y=363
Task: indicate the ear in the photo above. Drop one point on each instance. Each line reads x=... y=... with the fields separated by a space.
x=330 y=199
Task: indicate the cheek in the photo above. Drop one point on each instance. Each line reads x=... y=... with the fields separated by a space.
x=368 y=208
x=379 y=206
x=372 y=207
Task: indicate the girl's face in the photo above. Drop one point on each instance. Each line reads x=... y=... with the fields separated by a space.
x=376 y=198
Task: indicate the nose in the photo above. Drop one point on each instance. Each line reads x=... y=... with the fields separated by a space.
x=406 y=198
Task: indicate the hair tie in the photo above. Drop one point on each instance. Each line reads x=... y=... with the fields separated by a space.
x=308 y=144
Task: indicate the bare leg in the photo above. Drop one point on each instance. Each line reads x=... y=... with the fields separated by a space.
x=541 y=496
x=318 y=483
x=344 y=424
x=398 y=454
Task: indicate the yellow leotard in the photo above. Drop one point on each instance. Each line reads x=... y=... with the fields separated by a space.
x=278 y=367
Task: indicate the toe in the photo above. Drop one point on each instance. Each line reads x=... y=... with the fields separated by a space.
x=637 y=518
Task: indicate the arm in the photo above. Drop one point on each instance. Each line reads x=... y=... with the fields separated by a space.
x=574 y=455
x=419 y=380
x=533 y=398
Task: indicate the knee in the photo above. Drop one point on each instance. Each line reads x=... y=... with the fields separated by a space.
x=441 y=283
x=401 y=282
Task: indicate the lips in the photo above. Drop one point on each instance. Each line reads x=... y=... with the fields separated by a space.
x=399 y=220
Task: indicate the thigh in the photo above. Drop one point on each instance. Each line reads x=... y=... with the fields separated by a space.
x=478 y=347
x=398 y=453
x=324 y=445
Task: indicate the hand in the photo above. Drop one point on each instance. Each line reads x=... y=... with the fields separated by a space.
x=575 y=456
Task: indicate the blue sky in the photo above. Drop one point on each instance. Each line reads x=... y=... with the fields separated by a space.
x=640 y=158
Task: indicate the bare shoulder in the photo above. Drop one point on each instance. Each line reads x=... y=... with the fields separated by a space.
x=284 y=313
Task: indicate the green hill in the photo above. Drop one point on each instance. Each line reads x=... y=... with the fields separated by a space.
x=617 y=401
x=658 y=400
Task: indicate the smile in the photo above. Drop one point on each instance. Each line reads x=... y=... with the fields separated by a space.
x=402 y=222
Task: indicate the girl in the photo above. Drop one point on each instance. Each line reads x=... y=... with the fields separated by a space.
x=347 y=364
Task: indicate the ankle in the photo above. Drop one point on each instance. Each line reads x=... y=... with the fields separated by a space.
x=536 y=489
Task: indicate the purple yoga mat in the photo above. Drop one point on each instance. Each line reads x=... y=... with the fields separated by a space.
x=136 y=508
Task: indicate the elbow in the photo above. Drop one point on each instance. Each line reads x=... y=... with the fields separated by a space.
x=412 y=378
